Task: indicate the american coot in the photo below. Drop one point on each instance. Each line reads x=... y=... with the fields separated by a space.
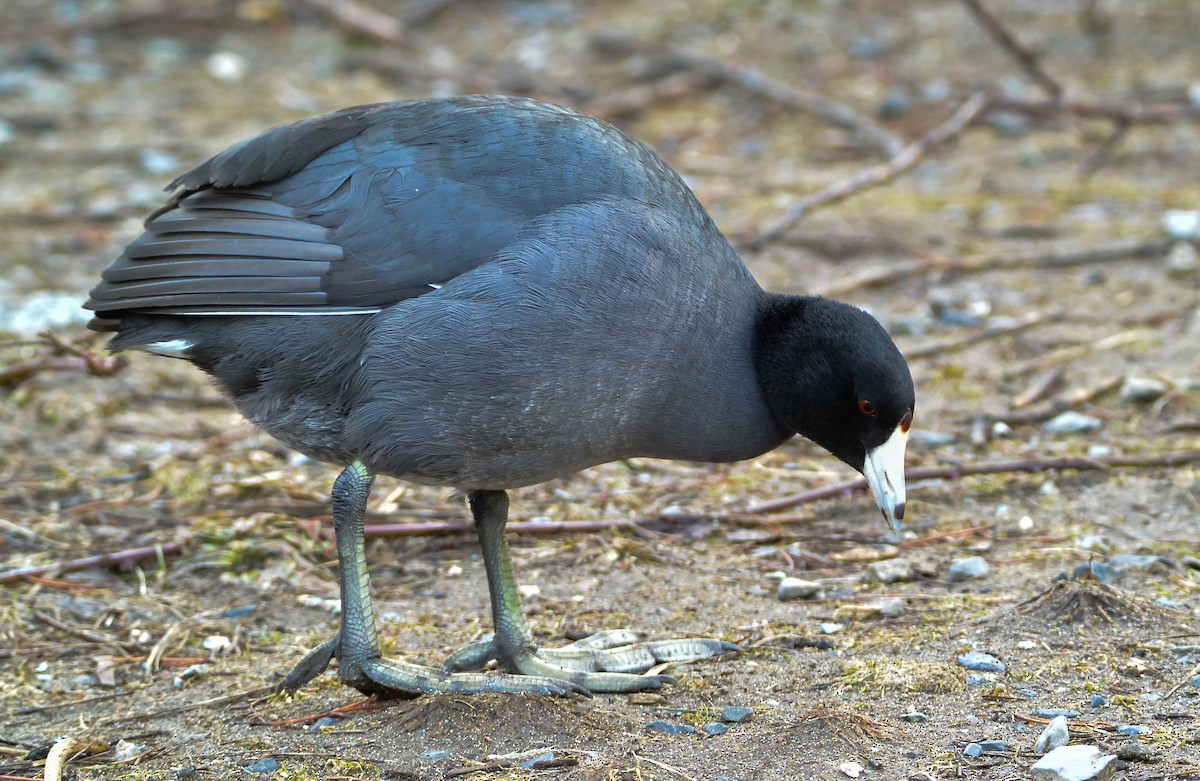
x=486 y=293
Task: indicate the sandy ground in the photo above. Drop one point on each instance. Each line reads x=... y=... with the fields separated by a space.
x=101 y=104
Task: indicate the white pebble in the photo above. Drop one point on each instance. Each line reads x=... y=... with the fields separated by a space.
x=1074 y=763
x=227 y=67
x=797 y=588
x=1055 y=735
x=1182 y=223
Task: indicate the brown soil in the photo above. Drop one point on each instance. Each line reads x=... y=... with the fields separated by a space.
x=152 y=456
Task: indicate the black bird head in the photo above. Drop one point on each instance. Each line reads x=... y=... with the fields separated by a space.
x=831 y=373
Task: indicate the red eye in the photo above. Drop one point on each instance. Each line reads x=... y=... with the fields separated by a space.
x=866 y=407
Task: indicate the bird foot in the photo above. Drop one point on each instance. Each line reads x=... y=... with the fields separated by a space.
x=393 y=678
x=609 y=661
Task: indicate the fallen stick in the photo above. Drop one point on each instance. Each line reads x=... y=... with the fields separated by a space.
x=900 y=270
x=756 y=82
x=120 y=558
x=1024 y=57
x=958 y=471
x=877 y=175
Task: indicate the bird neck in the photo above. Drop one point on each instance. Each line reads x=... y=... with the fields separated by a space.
x=794 y=361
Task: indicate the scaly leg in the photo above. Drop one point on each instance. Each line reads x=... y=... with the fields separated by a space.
x=602 y=663
x=356 y=644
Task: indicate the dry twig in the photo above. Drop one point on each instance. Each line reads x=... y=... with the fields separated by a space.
x=363 y=20
x=902 y=161
x=1024 y=57
x=757 y=83
x=118 y=559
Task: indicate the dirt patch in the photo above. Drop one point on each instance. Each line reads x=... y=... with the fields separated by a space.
x=1010 y=289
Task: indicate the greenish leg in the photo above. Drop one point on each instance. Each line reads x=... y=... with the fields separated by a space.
x=356 y=645
x=605 y=665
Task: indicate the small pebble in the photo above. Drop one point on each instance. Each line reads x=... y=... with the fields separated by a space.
x=736 y=714
x=966 y=569
x=715 y=728
x=83 y=681
x=436 y=754
x=1182 y=224
x=1072 y=423
x=267 y=765
x=1027 y=645
x=1133 y=730
x=669 y=728
x=890 y=571
x=1053 y=736
x=1142 y=390
x=1182 y=260
x=978 y=660
x=973 y=750
x=915 y=717
x=1135 y=666
x=1074 y=763
x=978 y=679
x=890 y=607
x=830 y=628
x=1097 y=701
x=1194 y=682
x=995 y=746
x=923 y=438
x=322 y=723
x=239 y=612
x=227 y=67
x=797 y=588
x=126 y=751
x=1050 y=713
x=851 y=769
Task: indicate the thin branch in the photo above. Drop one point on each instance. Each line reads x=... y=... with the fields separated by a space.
x=1130 y=113
x=756 y=82
x=1024 y=57
x=120 y=558
x=904 y=160
x=900 y=270
x=958 y=471
x=637 y=99
x=363 y=20
x=944 y=346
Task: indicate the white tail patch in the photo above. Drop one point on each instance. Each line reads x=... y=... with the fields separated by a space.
x=172 y=348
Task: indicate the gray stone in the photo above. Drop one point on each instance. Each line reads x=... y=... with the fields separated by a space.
x=978 y=660
x=1134 y=730
x=1050 y=713
x=1182 y=260
x=890 y=571
x=915 y=717
x=670 y=728
x=1142 y=389
x=1075 y=763
x=797 y=588
x=966 y=569
x=995 y=746
x=1054 y=736
x=715 y=728
x=736 y=714
x=891 y=607
x=973 y=750
x=1072 y=423
x=267 y=765
x=436 y=754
